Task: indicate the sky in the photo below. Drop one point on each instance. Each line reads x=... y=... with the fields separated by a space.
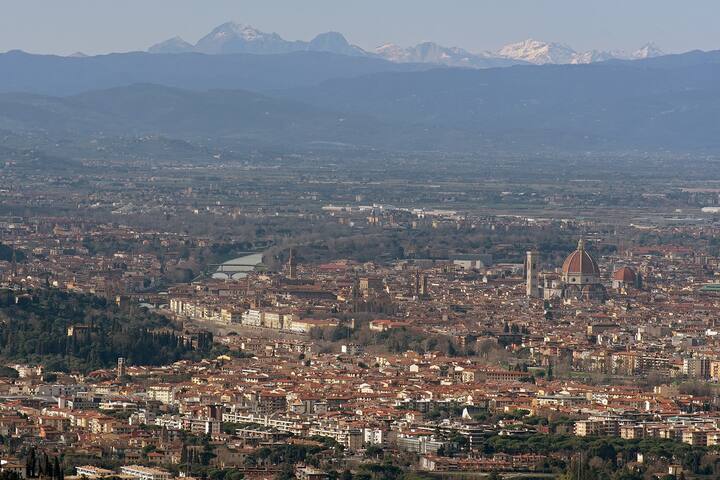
x=102 y=26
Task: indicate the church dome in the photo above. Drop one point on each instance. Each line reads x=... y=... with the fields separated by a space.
x=580 y=262
x=625 y=274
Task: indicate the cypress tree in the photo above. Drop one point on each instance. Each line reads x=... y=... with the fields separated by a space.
x=48 y=466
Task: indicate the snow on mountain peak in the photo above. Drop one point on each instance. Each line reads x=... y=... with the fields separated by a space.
x=233 y=37
x=649 y=50
x=538 y=52
x=240 y=30
x=429 y=52
x=594 y=56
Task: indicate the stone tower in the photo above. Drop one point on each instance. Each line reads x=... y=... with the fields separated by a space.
x=292 y=265
x=531 y=268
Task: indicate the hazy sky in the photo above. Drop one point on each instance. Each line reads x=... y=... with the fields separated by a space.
x=100 y=26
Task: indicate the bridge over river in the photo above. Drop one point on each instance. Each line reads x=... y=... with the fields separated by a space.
x=238 y=267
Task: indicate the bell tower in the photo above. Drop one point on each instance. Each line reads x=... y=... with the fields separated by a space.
x=531 y=268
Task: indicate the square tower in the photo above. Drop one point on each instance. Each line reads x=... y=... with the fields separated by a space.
x=531 y=269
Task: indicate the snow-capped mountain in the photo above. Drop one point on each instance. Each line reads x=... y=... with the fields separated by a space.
x=394 y=53
x=429 y=52
x=649 y=50
x=540 y=53
x=537 y=52
x=527 y=51
x=238 y=38
x=594 y=56
x=233 y=37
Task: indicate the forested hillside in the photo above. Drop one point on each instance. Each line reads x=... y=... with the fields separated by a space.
x=35 y=329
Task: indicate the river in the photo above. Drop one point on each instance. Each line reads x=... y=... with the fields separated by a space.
x=238 y=267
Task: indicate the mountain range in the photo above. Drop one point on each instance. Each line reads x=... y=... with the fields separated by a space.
x=541 y=53
x=245 y=89
x=230 y=38
x=54 y=75
x=665 y=103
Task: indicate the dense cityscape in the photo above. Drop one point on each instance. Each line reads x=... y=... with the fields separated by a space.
x=173 y=323
x=264 y=257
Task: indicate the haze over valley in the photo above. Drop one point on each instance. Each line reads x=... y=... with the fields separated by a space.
x=413 y=247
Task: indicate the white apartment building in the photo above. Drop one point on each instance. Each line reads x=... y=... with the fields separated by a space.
x=145 y=473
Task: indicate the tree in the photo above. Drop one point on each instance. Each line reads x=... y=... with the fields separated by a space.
x=373 y=451
x=604 y=450
x=626 y=474
x=692 y=460
x=47 y=467
x=57 y=471
x=225 y=474
x=10 y=475
x=102 y=332
x=30 y=464
x=287 y=472
x=8 y=372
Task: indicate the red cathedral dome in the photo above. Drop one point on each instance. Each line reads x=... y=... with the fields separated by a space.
x=580 y=262
x=625 y=274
